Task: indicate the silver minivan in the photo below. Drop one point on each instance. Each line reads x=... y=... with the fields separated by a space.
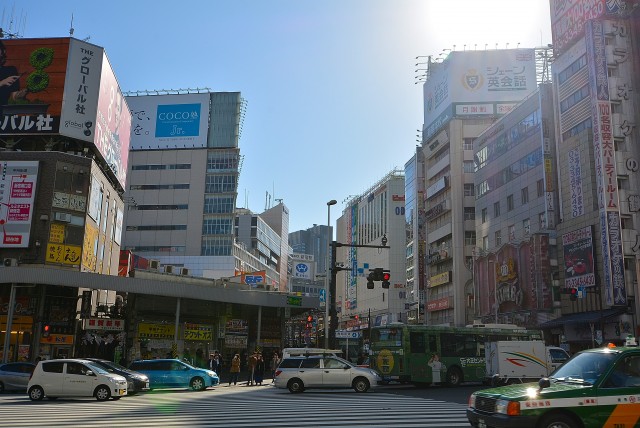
x=323 y=371
x=74 y=378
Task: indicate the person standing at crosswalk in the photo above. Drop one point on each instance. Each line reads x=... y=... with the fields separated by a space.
x=235 y=369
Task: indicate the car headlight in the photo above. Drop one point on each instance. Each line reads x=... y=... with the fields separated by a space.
x=506 y=407
x=472 y=401
x=374 y=373
x=212 y=373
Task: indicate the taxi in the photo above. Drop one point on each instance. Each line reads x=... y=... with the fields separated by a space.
x=595 y=388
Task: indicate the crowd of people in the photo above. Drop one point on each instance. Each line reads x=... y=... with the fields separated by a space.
x=255 y=365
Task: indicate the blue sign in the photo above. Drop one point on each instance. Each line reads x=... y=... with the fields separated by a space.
x=178 y=120
x=253 y=279
x=323 y=295
x=302 y=267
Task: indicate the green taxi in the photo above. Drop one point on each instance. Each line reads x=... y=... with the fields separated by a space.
x=595 y=388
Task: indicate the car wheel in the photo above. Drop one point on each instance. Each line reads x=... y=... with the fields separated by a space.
x=454 y=376
x=197 y=384
x=102 y=393
x=295 y=386
x=361 y=384
x=36 y=393
x=558 y=420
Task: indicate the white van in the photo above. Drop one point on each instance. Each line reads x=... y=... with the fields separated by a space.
x=74 y=378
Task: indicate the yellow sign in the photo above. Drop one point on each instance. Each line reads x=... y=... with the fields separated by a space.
x=384 y=362
x=56 y=233
x=90 y=247
x=198 y=332
x=65 y=254
x=439 y=279
x=58 y=339
x=156 y=331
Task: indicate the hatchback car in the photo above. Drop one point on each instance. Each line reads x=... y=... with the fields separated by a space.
x=15 y=376
x=299 y=373
x=172 y=373
x=74 y=378
x=136 y=382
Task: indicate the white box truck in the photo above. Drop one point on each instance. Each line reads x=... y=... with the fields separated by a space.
x=519 y=361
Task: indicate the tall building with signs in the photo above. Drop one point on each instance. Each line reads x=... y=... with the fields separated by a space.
x=463 y=95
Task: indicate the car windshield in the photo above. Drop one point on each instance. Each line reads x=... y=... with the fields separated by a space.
x=585 y=368
x=96 y=368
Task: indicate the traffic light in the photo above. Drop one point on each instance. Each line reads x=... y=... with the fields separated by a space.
x=356 y=317
x=378 y=274
x=370 y=284
x=310 y=318
x=574 y=294
x=386 y=276
x=46 y=330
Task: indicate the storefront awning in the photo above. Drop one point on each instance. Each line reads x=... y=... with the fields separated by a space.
x=583 y=317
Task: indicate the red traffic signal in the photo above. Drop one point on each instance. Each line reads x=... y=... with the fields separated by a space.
x=574 y=294
x=46 y=329
x=386 y=276
x=310 y=318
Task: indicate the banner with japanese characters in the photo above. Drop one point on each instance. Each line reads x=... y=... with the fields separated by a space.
x=17 y=193
x=198 y=332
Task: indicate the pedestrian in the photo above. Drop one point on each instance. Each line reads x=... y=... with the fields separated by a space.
x=275 y=362
x=259 y=370
x=216 y=364
x=251 y=368
x=235 y=369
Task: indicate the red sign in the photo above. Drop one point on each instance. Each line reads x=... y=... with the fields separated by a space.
x=438 y=305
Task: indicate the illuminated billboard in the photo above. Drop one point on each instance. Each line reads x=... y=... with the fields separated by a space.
x=65 y=86
x=477 y=83
x=169 y=121
x=17 y=194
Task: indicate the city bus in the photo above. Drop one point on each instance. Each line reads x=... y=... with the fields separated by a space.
x=425 y=355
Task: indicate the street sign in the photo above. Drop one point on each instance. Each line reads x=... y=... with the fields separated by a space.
x=344 y=334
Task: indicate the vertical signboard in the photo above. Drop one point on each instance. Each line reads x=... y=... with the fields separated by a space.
x=605 y=166
x=352 y=287
x=575 y=183
x=17 y=194
x=577 y=249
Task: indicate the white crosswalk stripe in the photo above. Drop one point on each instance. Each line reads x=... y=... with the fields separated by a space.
x=237 y=408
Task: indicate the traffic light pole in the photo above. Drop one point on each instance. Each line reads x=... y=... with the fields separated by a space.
x=331 y=300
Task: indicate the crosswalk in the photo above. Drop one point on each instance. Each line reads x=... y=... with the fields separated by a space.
x=239 y=408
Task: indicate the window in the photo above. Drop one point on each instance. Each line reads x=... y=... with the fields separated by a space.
x=542 y=220
x=496 y=209
x=485 y=243
x=512 y=232
x=290 y=363
x=469 y=166
x=540 y=186
x=53 y=367
x=484 y=215
x=524 y=195
x=469 y=237
x=510 y=203
x=417 y=342
x=76 y=368
x=469 y=213
x=498 y=237
x=469 y=189
x=467 y=143
x=526 y=226
x=332 y=363
x=310 y=363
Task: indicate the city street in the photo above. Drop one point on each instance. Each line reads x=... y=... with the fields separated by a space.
x=258 y=406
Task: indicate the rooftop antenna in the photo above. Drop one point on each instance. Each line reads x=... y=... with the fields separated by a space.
x=71 y=27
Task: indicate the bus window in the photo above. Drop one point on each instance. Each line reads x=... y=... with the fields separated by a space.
x=387 y=335
x=432 y=341
x=417 y=342
x=458 y=345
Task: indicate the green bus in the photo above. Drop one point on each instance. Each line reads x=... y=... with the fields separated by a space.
x=425 y=355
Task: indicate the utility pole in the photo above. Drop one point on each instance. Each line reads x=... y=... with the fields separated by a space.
x=331 y=299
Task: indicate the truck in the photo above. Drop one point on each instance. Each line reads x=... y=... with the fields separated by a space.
x=520 y=361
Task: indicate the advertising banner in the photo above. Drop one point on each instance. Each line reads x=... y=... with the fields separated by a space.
x=473 y=81
x=31 y=103
x=303 y=270
x=103 y=324
x=63 y=254
x=578 y=258
x=17 y=194
x=198 y=332
x=156 y=331
x=169 y=121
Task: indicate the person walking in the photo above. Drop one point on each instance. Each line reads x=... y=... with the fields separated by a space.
x=251 y=368
x=275 y=362
x=259 y=371
x=235 y=369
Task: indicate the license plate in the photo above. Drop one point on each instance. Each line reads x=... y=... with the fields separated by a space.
x=482 y=423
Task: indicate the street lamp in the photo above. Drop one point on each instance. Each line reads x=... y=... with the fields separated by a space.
x=327 y=299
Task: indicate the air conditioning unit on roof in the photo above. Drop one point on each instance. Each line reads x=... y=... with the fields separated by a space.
x=168 y=269
x=184 y=271
x=154 y=264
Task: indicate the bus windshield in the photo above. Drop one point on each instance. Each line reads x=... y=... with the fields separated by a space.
x=387 y=336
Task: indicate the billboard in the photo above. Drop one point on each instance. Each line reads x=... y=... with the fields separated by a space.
x=65 y=86
x=568 y=18
x=31 y=103
x=477 y=83
x=579 y=266
x=17 y=194
x=169 y=121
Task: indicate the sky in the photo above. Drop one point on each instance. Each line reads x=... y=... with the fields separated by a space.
x=332 y=104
